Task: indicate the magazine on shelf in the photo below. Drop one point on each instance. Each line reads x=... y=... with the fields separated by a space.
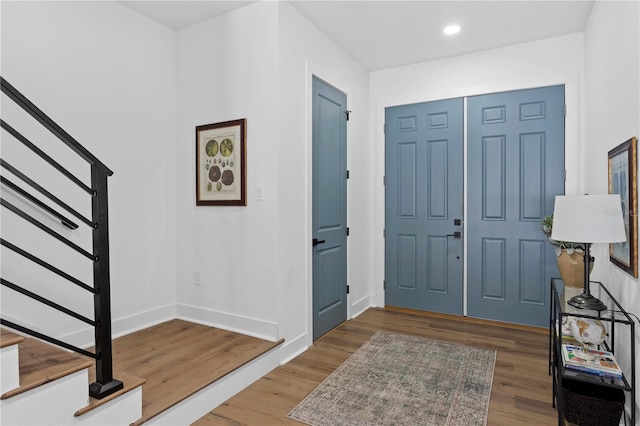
x=602 y=364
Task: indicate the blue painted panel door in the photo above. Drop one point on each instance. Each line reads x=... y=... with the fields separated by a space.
x=329 y=152
x=515 y=168
x=424 y=197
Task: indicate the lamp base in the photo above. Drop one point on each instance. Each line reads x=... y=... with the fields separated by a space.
x=587 y=301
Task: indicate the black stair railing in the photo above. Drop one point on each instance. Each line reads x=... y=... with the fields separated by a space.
x=105 y=383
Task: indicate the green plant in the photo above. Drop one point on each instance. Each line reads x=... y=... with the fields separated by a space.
x=570 y=247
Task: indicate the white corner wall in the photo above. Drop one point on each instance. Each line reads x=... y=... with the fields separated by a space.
x=542 y=63
x=255 y=261
x=227 y=70
x=612 y=99
x=106 y=75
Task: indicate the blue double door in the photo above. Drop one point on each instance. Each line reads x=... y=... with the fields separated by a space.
x=514 y=168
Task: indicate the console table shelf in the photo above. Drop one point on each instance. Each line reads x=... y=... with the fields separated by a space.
x=616 y=321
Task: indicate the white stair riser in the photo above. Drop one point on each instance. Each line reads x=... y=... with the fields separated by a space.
x=51 y=404
x=9 y=368
x=202 y=402
x=123 y=410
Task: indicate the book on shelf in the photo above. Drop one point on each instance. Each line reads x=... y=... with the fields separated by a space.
x=602 y=363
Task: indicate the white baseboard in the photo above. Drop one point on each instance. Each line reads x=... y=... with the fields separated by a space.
x=360 y=306
x=21 y=323
x=123 y=326
x=262 y=329
x=292 y=348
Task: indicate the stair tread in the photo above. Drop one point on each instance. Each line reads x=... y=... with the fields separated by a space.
x=9 y=338
x=129 y=381
x=34 y=372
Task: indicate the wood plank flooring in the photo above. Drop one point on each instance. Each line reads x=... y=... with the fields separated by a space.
x=521 y=392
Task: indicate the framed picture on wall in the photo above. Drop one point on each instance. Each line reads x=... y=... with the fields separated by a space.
x=221 y=168
x=622 y=180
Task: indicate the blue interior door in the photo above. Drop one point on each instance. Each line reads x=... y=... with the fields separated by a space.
x=329 y=243
x=424 y=206
x=515 y=169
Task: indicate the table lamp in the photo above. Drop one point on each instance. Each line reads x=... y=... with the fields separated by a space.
x=588 y=219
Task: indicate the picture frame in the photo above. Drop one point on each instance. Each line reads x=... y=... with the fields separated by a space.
x=221 y=169
x=622 y=180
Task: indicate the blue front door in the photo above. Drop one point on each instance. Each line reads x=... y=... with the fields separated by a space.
x=329 y=202
x=515 y=169
x=424 y=206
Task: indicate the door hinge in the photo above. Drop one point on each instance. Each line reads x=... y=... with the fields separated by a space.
x=347 y=174
x=347 y=231
x=384 y=128
x=565 y=110
x=347 y=289
x=384 y=284
x=348 y=112
x=384 y=180
x=384 y=233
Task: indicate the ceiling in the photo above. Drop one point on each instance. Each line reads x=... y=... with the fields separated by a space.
x=385 y=34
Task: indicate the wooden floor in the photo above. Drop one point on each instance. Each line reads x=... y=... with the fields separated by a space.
x=521 y=392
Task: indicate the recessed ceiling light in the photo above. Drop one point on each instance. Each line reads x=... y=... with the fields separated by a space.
x=452 y=29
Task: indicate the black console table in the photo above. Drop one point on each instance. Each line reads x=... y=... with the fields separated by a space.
x=617 y=322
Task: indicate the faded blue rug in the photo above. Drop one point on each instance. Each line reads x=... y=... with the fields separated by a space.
x=394 y=379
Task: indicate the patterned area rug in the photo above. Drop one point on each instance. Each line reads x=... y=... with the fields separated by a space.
x=395 y=379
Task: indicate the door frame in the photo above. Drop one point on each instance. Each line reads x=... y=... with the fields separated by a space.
x=574 y=174
x=338 y=83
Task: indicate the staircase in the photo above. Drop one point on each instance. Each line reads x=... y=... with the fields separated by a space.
x=188 y=368
x=42 y=384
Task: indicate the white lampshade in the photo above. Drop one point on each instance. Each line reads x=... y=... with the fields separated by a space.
x=588 y=219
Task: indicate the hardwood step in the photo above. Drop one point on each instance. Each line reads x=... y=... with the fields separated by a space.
x=8 y=338
x=179 y=358
x=41 y=363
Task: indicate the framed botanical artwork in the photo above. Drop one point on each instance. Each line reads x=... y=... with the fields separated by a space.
x=221 y=169
x=622 y=180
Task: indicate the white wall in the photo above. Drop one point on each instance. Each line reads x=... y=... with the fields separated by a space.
x=541 y=63
x=107 y=76
x=612 y=98
x=255 y=261
x=227 y=69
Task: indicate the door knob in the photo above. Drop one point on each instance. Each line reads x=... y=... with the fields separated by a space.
x=456 y=234
x=317 y=241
